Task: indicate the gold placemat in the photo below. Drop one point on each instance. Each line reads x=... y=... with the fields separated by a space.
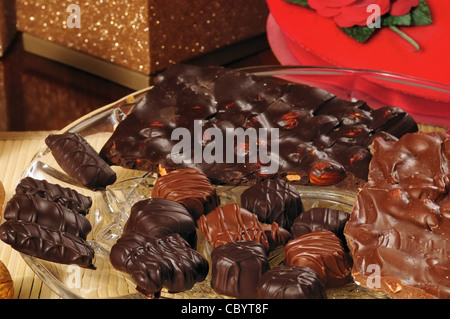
x=16 y=151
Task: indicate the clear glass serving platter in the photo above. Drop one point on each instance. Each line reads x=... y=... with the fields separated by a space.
x=111 y=207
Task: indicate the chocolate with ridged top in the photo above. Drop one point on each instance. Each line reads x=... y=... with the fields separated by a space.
x=35 y=209
x=323 y=252
x=154 y=263
x=322 y=138
x=400 y=222
x=64 y=196
x=231 y=223
x=47 y=243
x=157 y=217
x=237 y=268
x=320 y=218
x=188 y=187
x=291 y=282
x=80 y=160
x=273 y=200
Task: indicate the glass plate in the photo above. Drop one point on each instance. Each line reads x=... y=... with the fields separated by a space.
x=111 y=207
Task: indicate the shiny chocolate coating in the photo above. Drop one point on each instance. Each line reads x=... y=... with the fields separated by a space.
x=237 y=268
x=80 y=161
x=273 y=200
x=35 y=209
x=291 y=282
x=323 y=252
x=322 y=138
x=190 y=188
x=64 y=196
x=154 y=263
x=157 y=217
x=400 y=223
x=47 y=243
x=320 y=218
x=231 y=223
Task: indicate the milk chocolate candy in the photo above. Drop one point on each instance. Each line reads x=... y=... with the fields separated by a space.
x=64 y=196
x=188 y=187
x=291 y=282
x=233 y=223
x=154 y=263
x=35 y=209
x=237 y=268
x=322 y=139
x=157 y=217
x=323 y=252
x=400 y=224
x=273 y=200
x=80 y=161
x=47 y=243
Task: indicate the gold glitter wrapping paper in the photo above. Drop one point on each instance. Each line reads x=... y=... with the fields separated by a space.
x=7 y=24
x=144 y=35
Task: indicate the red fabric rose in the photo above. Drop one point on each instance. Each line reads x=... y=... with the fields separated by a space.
x=348 y=13
x=401 y=7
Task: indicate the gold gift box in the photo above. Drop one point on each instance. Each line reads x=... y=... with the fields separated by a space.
x=7 y=24
x=128 y=41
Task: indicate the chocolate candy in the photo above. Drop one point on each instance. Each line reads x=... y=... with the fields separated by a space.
x=320 y=218
x=400 y=224
x=188 y=187
x=291 y=282
x=232 y=223
x=35 y=209
x=322 y=138
x=47 y=243
x=154 y=263
x=322 y=251
x=237 y=268
x=273 y=200
x=156 y=217
x=64 y=196
x=80 y=161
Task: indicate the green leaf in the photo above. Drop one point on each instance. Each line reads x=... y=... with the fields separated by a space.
x=421 y=14
x=303 y=3
x=388 y=20
x=359 y=33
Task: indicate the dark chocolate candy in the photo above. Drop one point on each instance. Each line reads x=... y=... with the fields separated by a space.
x=80 y=161
x=273 y=200
x=154 y=263
x=323 y=252
x=47 y=243
x=35 y=209
x=322 y=138
x=157 y=217
x=233 y=223
x=291 y=282
x=400 y=224
x=320 y=218
x=190 y=188
x=237 y=268
x=64 y=196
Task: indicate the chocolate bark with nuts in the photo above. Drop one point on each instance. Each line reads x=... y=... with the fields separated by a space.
x=322 y=139
x=400 y=223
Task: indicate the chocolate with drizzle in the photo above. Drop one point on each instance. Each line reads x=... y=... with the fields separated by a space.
x=80 y=160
